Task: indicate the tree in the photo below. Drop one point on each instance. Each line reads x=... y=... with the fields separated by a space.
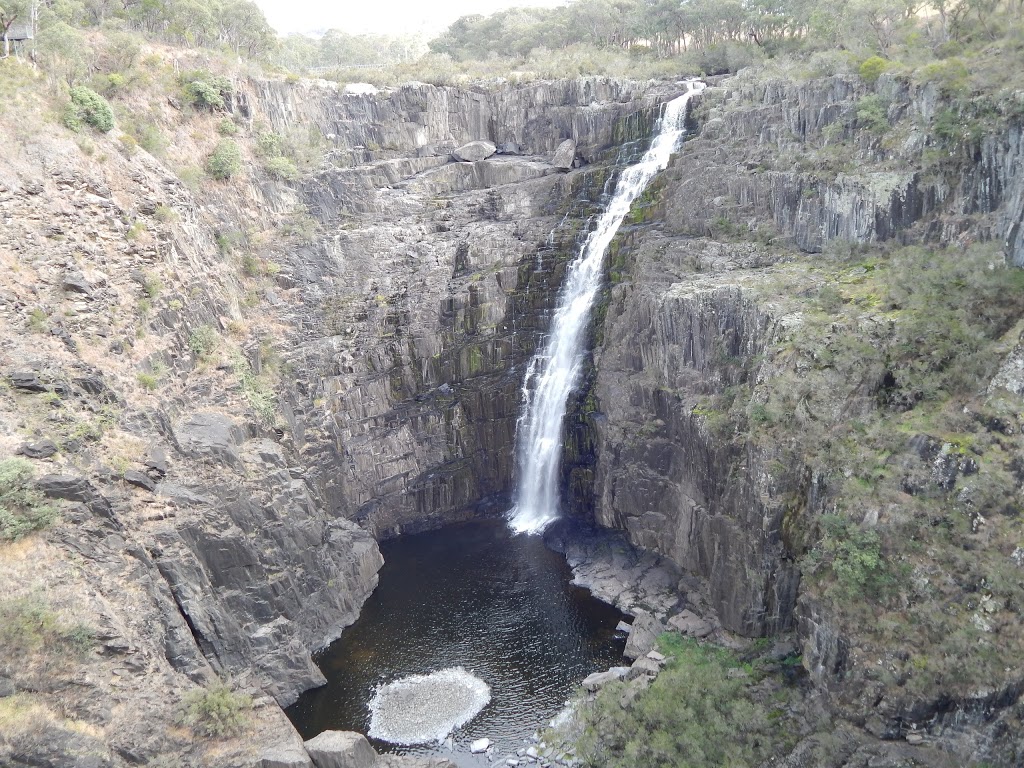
x=10 y=12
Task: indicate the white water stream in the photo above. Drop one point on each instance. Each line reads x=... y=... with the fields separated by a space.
x=555 y=370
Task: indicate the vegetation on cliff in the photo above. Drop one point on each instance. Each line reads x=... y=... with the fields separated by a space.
x=709 y=707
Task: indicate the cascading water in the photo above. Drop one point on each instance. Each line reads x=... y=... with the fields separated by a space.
x=554 y=371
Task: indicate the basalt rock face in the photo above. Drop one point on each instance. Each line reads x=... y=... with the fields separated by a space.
x=696 y=308
x=662 y=475
x=209 y=531
x=687 y=314
x=419 y=303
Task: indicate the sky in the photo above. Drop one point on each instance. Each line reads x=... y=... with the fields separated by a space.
x=394 y=17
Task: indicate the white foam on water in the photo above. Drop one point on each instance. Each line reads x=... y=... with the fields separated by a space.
x=423 y=708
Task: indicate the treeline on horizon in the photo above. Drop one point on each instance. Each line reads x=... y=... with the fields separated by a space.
x=620 y=37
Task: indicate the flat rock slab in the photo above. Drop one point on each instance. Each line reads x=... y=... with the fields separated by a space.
x=474 y=151
x=690 y=623
x=285 y=756
x=598 y=680
x=341 y=749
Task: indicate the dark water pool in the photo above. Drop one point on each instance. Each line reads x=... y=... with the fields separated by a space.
x=475 y=596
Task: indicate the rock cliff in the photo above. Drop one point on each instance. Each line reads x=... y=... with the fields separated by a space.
x=231 y=389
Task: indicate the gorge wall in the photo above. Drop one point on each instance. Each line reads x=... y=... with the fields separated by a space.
x=232 y=388
x=389 y=300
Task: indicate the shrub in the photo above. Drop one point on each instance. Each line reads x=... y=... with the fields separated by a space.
x=216 y=711
x=203 y=341
x=872 y=68
x=23 y=509
x=281 y=168
x=872 y=114
x=148 y=381
x=90 y=108
x=227 y=127
x=225 y=160
x=28 y=625
x=855 y=556
x=698 y=712
x=205 y=91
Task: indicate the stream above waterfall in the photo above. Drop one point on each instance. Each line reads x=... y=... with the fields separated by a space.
x=474 y=596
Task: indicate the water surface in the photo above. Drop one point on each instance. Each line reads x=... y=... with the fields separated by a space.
x=475 y=596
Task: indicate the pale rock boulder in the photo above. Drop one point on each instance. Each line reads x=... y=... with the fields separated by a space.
x=474 y=151
x=564 y=155
x=341 y=749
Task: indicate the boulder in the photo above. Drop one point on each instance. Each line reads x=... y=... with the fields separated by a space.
x=643 y=667
x=480 y=745
x=341 y=749
x=644 y=635
x=475 y=150
x=600 y=679
x=509 y=148
x=42 y=449
x=285 y=756
x=212 y=435
x=155 y=462
x=28 y=381
x=690 y=623
x=67 y=487
x=74 y=282
x=139 y=480
x=564 y=155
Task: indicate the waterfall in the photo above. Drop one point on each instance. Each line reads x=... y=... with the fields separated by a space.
x=555 y=370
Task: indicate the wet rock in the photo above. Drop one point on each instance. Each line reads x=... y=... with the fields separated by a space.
x=27 y=381
x=41 y=449
x=564 y=155
x=285 y=756
x=139 y=480
x=474 y=151
x=341 y=749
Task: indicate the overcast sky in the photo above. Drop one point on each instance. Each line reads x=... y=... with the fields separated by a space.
x=379 y=16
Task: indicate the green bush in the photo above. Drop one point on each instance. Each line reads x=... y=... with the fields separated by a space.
x=216 y=711
x=855 y=557
x=872 y=68
x=281 y=168
x=28 y=625
x=148 y=381
x=699 y=712
x=227 y=127
x=89 y=108
x=203 y=341
x=225 y=160
x=23 y=509
x=872 y=114
x=205 y=91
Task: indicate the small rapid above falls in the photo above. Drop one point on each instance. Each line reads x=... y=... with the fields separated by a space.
x=555 y=370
